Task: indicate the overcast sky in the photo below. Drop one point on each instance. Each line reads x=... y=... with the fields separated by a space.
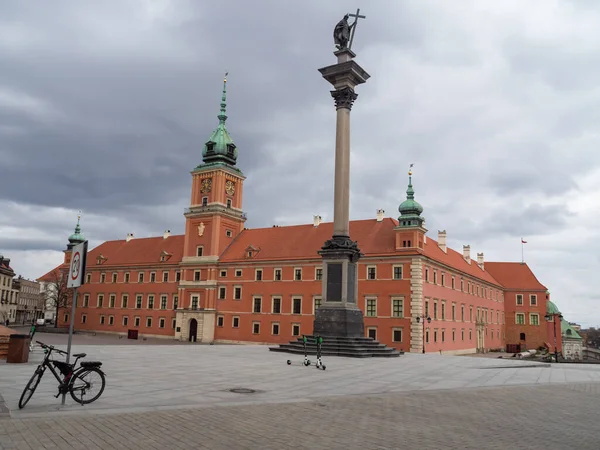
x=105 y=106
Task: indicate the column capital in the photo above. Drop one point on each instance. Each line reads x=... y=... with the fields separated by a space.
x=344 y=97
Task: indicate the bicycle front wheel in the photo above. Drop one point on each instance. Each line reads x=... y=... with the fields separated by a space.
x=31 y=387
x=87 y=386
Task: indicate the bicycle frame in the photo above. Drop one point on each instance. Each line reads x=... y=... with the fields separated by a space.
x=64 y=381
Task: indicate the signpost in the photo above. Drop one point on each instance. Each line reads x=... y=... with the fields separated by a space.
x=76 y=272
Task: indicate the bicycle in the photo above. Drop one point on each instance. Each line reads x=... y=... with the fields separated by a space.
x=74 y=380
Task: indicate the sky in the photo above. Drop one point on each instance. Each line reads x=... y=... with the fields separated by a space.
x=105 y=107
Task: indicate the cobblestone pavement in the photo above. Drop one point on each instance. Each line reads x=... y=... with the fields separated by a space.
x=546 y=417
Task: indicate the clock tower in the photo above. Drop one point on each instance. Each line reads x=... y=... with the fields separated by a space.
x=215 y=215
x=213 y=220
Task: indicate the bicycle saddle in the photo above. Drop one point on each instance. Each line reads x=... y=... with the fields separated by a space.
x=79 y=355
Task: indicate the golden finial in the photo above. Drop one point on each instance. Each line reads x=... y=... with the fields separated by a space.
x=225 y=77
x=410 y=170
x=79 y=215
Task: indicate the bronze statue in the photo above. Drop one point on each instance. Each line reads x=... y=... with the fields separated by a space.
x=343 y=33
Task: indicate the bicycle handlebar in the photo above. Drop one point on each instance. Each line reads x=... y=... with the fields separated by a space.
x=51 y=347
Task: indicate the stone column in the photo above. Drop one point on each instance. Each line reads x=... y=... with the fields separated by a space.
x=339 y=314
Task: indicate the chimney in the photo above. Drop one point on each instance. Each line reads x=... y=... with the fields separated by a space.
x=480 y=260
x=166 y=234
x=380 y=213
x=317 y=220
x=442 y=241
x=467 y=253
x=129 y=237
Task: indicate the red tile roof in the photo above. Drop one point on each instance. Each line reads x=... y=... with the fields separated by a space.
x=138 y=251
x=304 y=241
x=514 y=275
x=455 y=259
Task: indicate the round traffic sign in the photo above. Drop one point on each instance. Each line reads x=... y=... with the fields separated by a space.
x=75 y=266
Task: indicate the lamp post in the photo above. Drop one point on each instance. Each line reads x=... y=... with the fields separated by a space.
x=423 y=319
x=552 y=318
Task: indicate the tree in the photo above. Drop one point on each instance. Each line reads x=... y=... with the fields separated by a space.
x=56 y=293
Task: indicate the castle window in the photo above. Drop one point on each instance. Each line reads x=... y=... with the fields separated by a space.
x=235 y=323
x=238 y=273
x=199 y=251
x=255 y=327
x=196 y=275
x=371 y=307
x=230 y=150
x=276 y=305
x=397 y=272
x=223 y=273
x=165 y=277
x=277 y=275
x=102 y=277
x=533 y=300
x=126 y=277
x=295 y=329
x=152 y=277
x=519 y=299
x=204 y=201
x=210 y=147
x=88 y=278
x=296 y=306
x=222 y=292
x=257 y=305
x=229 y=203
x=298 y=274
x=520 y=319
x=228 y=233
x=220 y=320
x=371 y=273
x=195 y=302
x=275 y=329
x=258 y=275
x=114 y=277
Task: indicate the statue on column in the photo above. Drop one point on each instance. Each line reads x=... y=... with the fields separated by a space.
x=341 y=33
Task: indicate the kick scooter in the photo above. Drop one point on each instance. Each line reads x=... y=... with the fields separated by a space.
x=306 y=361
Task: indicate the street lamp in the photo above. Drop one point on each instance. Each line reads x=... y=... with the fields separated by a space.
x=552 y=318
x=423 y=319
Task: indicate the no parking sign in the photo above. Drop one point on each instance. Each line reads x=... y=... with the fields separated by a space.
x=77 y=268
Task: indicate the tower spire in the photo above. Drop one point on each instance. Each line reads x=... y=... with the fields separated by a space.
x=76 y=237
x=410 y=210
x=220 y=149
x=223 y=114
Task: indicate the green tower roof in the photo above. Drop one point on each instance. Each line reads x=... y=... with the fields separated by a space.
x=77 y=237
x=410 y=210
x=551 y=308
x=568 y=331
x=220 y=147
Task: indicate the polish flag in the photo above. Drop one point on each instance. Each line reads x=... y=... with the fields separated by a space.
x=523 y=241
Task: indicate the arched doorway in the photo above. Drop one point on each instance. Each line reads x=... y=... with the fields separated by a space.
x=193 y=330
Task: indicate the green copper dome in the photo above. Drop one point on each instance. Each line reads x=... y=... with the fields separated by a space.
x=77 y=237
x=220 y=146
x=551 y=308
x=410 y=210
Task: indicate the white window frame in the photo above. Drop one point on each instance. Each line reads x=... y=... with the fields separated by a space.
x=199 y=249
x=254 y=298
x=517 y=315
x=372 y=328
x=401 y=330
x=273 y=324
x=296 y=297
x=262 y=274
x=295 y=271
x=253 y=325
x=317 y=269
x=531 y=297
x=273 y=298
x=222 y=289
x=222 y=319
x=393 y=299
x=517 y=300
x=531 y=316
x=280 y=270
x=367 y=306
x=233 y=322
x=369 y=267
x=234 y=291
x=314 y=302
x=294 y=325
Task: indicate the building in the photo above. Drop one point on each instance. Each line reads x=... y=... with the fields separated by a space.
x=223 y=282
x=30 y=304
x=8 y=295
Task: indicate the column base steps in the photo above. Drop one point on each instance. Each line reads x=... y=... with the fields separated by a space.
x=360 y=347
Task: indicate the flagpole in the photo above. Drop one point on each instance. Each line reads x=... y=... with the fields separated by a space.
x=522 y=252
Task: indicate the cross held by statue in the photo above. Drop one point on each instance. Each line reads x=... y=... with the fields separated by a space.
x=356 y=17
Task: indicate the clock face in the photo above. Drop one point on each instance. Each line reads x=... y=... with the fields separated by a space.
x=229 y=187
x=206 y=185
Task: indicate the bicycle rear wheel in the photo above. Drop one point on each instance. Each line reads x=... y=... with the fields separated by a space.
x=87 y=383
x=31 y=387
